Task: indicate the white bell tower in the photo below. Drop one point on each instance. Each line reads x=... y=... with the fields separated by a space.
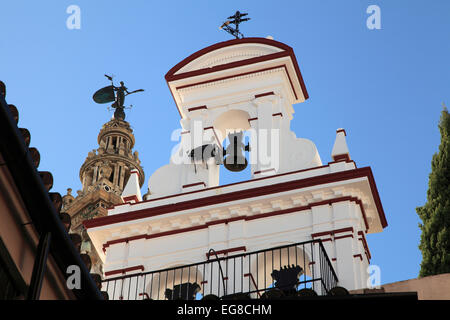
x=291 y=202
x=247 y=85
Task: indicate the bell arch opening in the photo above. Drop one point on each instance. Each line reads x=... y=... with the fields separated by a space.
x=234 y=122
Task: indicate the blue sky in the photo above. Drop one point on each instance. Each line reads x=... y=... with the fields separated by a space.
x=385 y=87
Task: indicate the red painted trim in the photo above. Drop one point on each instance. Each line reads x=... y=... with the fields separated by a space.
x=147 y=297
x=376 y=198
x=236 y=183
x=264 y=94
x=240 y=75
x=246 y=218
x=312 y=262
x=123 y=271
x=366 y=247
x=194 y=184
x=226 y=221
x=135 y=171
x=341 y=157
x=254 y=282
x=363 y=212
x=170 y=76
x=332 y=232
x=366 y=253
x=341 y=130
x=173 y=97
x=152 y=236
x=226 y=251
x=358 y=256
x=348 y=161
x=197 y=108
x=171 y=73
x=342 y=237
x=333 y=259
x=203 y=282
x=130 y=198
x=225 y=278
x=277 y=114
x=244 y=194
x=234 y=76
x=295 y=209
x=265 y=170
x=337 y=238
x=184 y=132
x=251 y=119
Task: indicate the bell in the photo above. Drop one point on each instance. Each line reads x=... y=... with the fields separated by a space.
x=235 y=160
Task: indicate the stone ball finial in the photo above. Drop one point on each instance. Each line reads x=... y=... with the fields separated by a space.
x=67 y=199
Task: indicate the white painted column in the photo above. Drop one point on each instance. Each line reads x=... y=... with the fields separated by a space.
x=263 y=126
x=346 y=266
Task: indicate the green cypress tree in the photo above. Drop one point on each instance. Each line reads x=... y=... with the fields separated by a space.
x=435 y=214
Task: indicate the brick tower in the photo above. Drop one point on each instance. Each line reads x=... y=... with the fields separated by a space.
x=104 y=175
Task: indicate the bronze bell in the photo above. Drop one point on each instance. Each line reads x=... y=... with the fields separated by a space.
x=234 y=159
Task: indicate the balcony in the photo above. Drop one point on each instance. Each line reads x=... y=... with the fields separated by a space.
x=301 y=269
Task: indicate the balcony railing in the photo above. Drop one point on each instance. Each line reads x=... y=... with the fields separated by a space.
x=288 y=269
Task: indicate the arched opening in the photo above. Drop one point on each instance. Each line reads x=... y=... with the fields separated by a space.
x=267 y=264
x=176 y=283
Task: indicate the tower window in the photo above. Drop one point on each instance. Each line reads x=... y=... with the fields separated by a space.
x=111 y=177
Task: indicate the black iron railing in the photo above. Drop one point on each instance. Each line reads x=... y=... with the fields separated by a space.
x=288 y=268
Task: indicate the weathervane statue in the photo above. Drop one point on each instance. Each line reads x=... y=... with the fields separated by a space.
x=117 y=94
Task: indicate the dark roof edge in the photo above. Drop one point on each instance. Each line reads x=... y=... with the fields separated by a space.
x=38 y=204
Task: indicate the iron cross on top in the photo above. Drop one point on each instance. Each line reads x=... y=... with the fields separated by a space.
x=236 y=20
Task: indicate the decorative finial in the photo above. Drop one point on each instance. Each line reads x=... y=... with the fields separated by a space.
x=117 y=94
x=236 y=20
x=340 y=148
